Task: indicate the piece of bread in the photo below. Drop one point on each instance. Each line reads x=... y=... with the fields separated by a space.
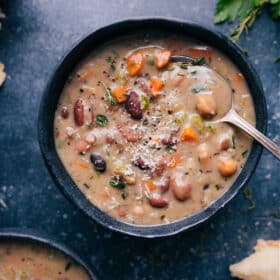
x=264 y=264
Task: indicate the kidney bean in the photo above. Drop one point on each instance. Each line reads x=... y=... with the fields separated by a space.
x=64 y=112
x=98 y=162
x=79 y=112
x=139 y=162
x=164 y=187
x=133 y=106
x=180 y=187
x=158 y=201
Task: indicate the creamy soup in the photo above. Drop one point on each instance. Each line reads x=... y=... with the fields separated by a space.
x=133 y=129
x=29 y=261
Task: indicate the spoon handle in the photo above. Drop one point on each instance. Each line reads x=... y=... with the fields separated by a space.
x=235 y=119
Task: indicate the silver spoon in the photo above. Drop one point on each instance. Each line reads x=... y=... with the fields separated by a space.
x=232 y=117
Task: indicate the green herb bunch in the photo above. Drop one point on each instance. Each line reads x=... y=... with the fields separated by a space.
x=246 y=10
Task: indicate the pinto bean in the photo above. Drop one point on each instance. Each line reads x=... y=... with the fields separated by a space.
x=180 y=187
x=203 y=151
x=164 y=187
x=158 y=201
x=133 y=106
x=128 y=133
x=138 y=210
x=79 y=112
x=227 y=166
x=64 y=112
x=98 y=162
x=206 y=105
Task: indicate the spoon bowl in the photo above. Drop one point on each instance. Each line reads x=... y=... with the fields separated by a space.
x=229 y=115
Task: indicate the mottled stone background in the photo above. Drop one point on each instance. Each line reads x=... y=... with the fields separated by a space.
x=35 y=35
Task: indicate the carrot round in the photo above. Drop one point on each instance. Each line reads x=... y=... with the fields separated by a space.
x=162 y=58
x=156 y=85
x=120 y=94
x=135 y=63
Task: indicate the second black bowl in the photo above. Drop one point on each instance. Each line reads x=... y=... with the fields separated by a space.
x=97 y=39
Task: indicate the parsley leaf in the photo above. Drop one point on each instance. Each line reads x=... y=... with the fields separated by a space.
x=247 y=11
x=101 y=120
x=248 y=194
x=117 y=182
x=227 y=10
x=199 y=61
x=110 y=98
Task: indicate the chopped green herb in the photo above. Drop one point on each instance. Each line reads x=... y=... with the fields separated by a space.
x=233 y=142
x=199 y=61
x=117 y=182
x=68 y=266
x=112 y=62
x=150 y=62
x=197 y=121
x=124 y=195
x=82 y=153
x=110 y=98
x=145 y=102
x=113 y=67
x=212 y=129
x=247 y=192
x=193 y=72
x=169 y=149
x=244 y=154
x=109 y=59
x=198 y=89
x=101 y=120
x=115 y=53
x=183 y=65
x=89 y=125
x=277 y=59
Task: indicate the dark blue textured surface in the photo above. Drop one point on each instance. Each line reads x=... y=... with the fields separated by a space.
x=36 y=34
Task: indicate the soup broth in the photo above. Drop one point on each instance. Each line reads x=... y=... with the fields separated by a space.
x=134 y=130
x=30 y=261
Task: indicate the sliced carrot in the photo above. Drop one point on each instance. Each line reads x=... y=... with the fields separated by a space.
x=197 y=52
x=135 y=63
x=162 y=58
x=82 y=146
x=156 y=85
x=120 y=93
x=149 y=184
x=188 y=134
x=81 y=164
x=174 y=160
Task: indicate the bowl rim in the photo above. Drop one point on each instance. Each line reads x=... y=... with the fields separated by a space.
x=65 y=182
x=43 y=239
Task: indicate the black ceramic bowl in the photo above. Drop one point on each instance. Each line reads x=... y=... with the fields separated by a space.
x=98 y=38
x=30 y=236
